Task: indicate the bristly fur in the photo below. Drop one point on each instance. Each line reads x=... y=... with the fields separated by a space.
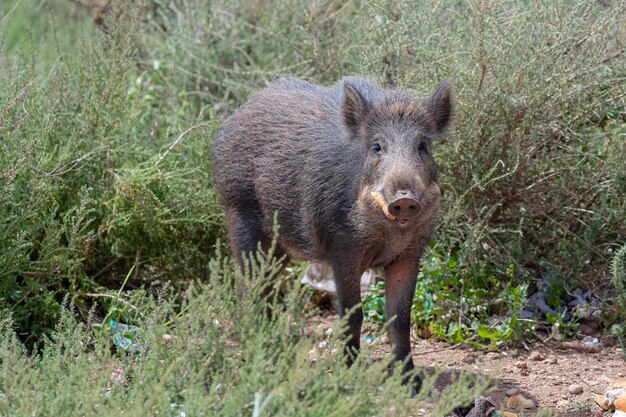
x=313 y=155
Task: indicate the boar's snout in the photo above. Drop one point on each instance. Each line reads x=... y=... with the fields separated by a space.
x=404 y=205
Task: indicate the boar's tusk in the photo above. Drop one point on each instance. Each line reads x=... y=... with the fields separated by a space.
x=382 y=203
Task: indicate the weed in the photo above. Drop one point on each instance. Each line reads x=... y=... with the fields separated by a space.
x=105 y=142
x=619 y=280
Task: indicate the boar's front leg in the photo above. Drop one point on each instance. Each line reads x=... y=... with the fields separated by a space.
x=348 y=283
x=400 y=280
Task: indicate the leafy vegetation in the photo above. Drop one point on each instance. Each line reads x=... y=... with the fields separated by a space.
x=108 y=216
x=205 y=352
x=619 y=280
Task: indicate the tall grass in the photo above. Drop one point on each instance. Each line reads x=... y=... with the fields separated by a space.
x=105 y=137
x=207 y=353
x=532 y=170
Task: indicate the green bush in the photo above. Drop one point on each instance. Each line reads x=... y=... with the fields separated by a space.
x=619 y=281
x=532 y=172
x=207 y=353
x=532 y=169
x=105 y=140
x=94 y=180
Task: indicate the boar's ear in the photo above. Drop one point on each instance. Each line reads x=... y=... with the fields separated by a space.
x=440 y=106
x=355 y=106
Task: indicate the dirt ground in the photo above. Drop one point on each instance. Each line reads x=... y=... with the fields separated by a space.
x=545 y=380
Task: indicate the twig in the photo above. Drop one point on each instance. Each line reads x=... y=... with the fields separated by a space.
x=483 y=70
x=178 y=139
x=590 y=387
x=612 y=55
x=115 y=297
x=107 y=266
x=70 y=165
x=10 y=12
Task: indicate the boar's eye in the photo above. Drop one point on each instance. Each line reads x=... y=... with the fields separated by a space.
x=423 y=148
x=377 y=149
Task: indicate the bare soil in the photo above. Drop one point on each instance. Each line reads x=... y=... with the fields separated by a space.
x=546 y=382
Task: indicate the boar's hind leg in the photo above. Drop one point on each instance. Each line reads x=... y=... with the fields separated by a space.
x=245 y=231
x=400 y=280
x=347 y=281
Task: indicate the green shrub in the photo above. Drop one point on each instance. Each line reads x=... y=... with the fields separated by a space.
x=481 y=311
x=208 y=353
x=619 y=281
x=532 y=169
x=94 y=180
x=105 y=139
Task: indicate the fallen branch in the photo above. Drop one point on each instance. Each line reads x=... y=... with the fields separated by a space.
x=578 y=347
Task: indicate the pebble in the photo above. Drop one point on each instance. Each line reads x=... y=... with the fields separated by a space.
x=562 y=403
x=470 y=359
x=219 y=388
x=167 y=337
x=591 y=341
x=512 y=391
x=586 y=330
x=536 y=356
x=575 y=389
x=553 y=360
x=521 y=364
x=518 y=401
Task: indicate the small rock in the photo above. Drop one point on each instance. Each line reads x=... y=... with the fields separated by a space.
x=591 y=341
x=619 y=413
x=167 y=337
x=469 y=359
x=323 y=345
x=512 y=391
x=219 y=388
x=553 y=360
x=521 y=364
x=575 y=389
x=483 y=406
x=518 y=401
x=586 y=330
x=562 y=403
x=536 y=356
